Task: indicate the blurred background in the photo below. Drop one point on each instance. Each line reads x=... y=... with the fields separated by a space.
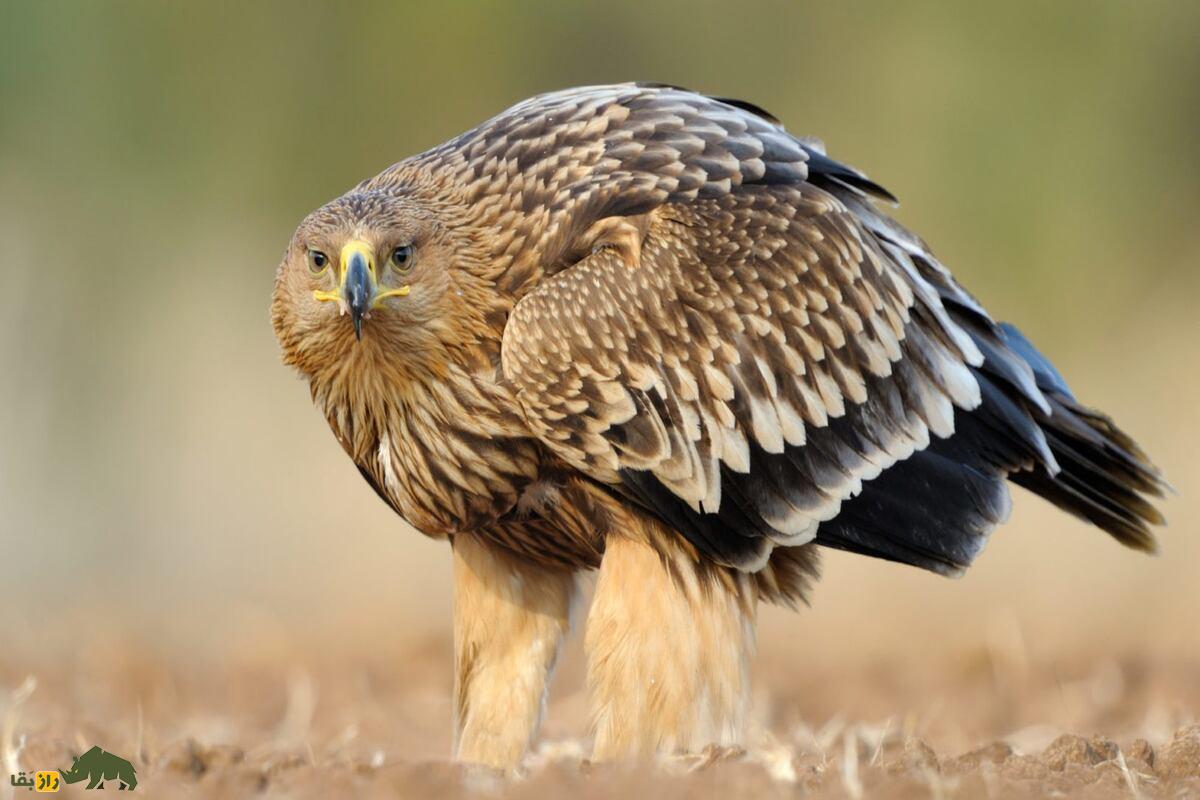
x=165 y=483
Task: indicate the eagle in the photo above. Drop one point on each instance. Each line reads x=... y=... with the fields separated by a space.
x=642 y=331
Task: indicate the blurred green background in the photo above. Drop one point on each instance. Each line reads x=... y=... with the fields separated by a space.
x=159 y=465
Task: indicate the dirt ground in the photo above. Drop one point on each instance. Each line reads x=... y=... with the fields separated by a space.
x=277 y=723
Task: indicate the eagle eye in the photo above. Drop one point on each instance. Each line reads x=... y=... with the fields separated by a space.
x=317 y=261
x=402 y=258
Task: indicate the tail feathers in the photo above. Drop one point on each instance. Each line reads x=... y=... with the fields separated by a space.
x=1103 y=476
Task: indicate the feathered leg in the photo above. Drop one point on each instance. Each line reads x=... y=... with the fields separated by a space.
x=509 y=619
x=668 y=652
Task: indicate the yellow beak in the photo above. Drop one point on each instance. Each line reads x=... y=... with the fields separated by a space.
x=357 y=266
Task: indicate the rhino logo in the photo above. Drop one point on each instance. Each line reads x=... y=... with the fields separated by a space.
x=99 y=766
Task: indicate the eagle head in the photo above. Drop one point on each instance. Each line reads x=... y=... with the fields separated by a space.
x=369 y=274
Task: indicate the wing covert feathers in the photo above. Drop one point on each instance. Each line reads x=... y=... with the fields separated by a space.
x=714 y=321
x=700 y=376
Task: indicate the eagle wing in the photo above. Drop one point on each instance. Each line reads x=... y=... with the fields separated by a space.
x=715 y=322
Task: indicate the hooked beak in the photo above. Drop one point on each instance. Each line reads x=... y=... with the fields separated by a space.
x=358 y=290
x=358 y=283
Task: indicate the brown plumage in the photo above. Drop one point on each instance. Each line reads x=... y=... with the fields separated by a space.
x=637 y=328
